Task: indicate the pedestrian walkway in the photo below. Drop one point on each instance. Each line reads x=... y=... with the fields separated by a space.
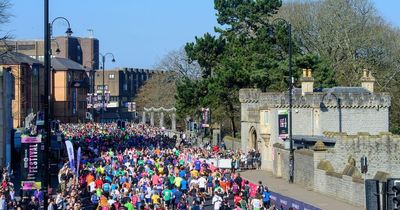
x=296 y=191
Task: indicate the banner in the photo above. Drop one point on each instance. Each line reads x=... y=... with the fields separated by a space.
x=31 y=173
x=219 y=163
x=283 y=124
x=78 y=161
x=283 y=202
x=70 y=150
x=74 y=101
x=206 y=117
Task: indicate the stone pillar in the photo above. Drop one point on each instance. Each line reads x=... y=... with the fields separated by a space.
x=173 y=122
x=144 y=117
x=161 y=119
x=152 y=118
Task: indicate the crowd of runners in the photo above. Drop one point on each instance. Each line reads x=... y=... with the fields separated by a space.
x=139 y=167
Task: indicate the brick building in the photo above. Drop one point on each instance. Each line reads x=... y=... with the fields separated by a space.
x=82 y=50
x=123 y=85
x=70 y=87
x=28 y=85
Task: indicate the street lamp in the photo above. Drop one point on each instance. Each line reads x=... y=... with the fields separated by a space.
x=103 y=60
x=288 y=27
x=47 y=97
x=68 y=32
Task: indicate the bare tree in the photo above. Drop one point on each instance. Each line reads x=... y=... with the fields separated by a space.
x=178 y=62
x=349 y=33
x=4 y=18
x=352 y=36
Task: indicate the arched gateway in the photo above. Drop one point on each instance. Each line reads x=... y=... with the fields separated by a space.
x=161 y=111
x=253 y=139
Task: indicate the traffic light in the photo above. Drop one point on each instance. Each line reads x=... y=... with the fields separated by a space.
x=55 y=126
x=123 y=125
x=364 y=164
x=393 y=195
x=372 y=197
x=119 y=124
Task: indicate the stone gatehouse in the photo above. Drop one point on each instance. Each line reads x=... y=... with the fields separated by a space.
x=339 y=109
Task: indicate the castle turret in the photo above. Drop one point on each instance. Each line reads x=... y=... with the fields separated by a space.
x=307 y=82
x=368 y=81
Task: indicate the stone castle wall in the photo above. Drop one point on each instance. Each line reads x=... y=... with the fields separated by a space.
x=336 y=171
x=381 y=150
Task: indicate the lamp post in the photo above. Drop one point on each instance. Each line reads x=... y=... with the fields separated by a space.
x=47 y=98
x=103 y=60
x=288 y=27
x=46 y=101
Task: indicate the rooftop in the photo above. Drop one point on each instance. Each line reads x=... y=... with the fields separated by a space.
x=59 y=63
x=307 y=141
x=13 y=58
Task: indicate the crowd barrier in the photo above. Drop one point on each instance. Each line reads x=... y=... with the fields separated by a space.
x=219 y=163
x=281 y=201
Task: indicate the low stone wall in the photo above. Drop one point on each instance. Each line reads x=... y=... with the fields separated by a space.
x=280 y=162
x=340 y=186
x=304 y=168
x=232 y=143
x=320 y=177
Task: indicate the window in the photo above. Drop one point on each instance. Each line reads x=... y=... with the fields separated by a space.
x=100 y=87
x=111 y=76
x=26 y=47
x=264 y=117
x=78 y=58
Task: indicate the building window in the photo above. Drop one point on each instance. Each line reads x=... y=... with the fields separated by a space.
x=26 y=47
x=100 y=87
x=78 y=58
x=111 y=76
x=265 y=117
x=40 y=57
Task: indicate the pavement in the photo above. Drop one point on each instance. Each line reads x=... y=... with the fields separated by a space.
x=296 y=191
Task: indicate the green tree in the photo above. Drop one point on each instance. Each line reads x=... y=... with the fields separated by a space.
x=242 y=54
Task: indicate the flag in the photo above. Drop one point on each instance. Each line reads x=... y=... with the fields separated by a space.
x=70 y=150
x=78 y=161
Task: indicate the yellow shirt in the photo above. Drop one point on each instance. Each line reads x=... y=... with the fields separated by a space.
x=155 y=198
x=178 y=181
x=195 y=173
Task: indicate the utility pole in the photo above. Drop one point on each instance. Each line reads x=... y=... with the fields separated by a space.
x=46 y=104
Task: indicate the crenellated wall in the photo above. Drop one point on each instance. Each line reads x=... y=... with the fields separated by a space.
x=313 y=113
x=336 y=171
x=381 y=150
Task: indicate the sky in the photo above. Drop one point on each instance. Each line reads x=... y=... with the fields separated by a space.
x=138 y=32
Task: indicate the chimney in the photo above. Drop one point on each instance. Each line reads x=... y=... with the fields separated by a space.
x=368 y=81
x=307 y=82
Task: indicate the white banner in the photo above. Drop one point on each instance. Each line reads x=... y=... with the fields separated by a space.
x=219 y=163
x=70 y=150
x=78 y=161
